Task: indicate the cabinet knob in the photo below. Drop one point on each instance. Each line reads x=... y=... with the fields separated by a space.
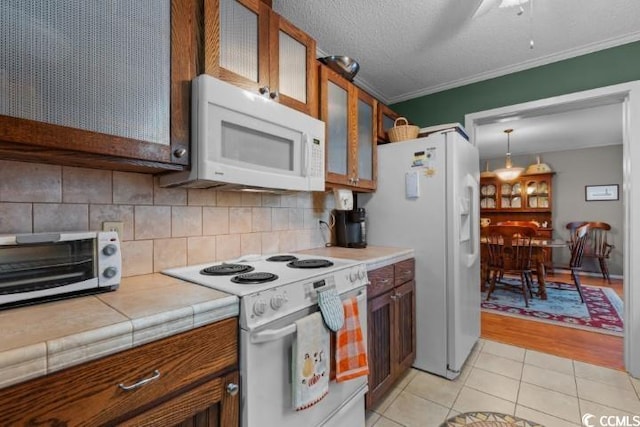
x=274 y=94
x=263 y=90
x=232 y=389
x=180 y=152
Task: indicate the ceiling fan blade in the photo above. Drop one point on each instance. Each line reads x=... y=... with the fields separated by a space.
x=484 y=7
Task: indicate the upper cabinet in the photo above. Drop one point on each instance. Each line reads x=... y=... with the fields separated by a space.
x=89 y=85
x=350 y=115
x=528 y=193
x=249 y=45
x=386 y=120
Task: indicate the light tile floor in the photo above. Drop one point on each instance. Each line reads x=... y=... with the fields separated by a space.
x=550 y=390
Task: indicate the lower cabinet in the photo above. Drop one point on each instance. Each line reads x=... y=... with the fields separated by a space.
x=391 y=324
x=187 y=379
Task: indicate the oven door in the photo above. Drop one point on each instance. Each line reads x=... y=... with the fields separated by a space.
x=266 y=376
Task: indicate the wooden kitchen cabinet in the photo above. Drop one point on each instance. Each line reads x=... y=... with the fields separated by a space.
x=249 y=45
x=386 y=120
x=195 y=379
x=120 y=129
x=527 y=198
x=350 y=115
x=392 y=327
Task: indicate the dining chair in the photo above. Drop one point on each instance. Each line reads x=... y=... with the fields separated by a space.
x=579 y=239
x=596 y=245
x=572 y=227
x=509 y=249
x=599 y=247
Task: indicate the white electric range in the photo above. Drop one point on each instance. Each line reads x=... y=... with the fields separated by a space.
x=275 y=291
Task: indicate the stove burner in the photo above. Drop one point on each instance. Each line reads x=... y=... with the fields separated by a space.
x=254 y=278
x=282 y=258
x=226 y=269
x=310 y=263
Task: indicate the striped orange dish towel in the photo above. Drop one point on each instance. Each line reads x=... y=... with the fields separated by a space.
x=351 y=353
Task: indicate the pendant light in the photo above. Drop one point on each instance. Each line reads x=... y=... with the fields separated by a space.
x=508 y=172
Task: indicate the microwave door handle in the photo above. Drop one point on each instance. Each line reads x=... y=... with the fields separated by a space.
x=307 y=154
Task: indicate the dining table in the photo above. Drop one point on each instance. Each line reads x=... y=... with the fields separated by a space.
x=538 y=258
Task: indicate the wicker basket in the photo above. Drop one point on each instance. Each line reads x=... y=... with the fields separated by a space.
x=402 y=132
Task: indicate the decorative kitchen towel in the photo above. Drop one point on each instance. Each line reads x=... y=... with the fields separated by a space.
x=351 y=352
x=331 y=308
x=310 y=379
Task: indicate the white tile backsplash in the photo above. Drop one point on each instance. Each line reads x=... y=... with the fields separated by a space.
x=162 y=226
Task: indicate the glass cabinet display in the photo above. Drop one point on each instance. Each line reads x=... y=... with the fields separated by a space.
x=528 y=193
x=488 y=196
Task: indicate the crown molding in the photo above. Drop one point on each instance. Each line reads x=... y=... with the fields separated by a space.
x=567 y=54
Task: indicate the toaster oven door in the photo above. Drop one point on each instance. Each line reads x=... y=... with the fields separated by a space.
x=29 y=271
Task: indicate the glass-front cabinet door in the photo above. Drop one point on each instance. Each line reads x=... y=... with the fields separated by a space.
x=293 y=76
x=366 y=153
x=538 y=192
x=335 y=95
x=236 y=48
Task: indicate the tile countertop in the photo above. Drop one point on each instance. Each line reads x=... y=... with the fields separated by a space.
x=373 y=256
x=40 y=339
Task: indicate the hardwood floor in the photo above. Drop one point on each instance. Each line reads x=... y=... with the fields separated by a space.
x=591 y=347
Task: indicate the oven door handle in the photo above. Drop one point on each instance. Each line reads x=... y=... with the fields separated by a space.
x=275 y=334
x=272 y=334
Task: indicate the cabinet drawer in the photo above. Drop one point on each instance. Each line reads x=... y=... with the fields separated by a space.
x=381 y=281
x=404 y=271
x=90 y=394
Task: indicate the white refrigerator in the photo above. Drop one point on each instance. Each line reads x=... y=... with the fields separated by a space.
x=427 y=199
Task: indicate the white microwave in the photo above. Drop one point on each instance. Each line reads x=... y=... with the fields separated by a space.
x=243 y=140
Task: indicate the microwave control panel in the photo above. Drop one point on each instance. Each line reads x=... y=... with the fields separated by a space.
x=317 y=158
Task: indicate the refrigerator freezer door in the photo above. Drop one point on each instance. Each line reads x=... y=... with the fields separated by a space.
x=420 y=223
x=463 y=275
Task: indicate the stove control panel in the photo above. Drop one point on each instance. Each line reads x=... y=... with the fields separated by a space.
x=268 y=305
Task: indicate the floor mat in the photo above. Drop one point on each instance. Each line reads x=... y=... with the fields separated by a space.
x=601 y=312
x=487 y=419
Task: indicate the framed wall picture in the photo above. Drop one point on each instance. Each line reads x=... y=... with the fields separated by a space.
x=594 y=193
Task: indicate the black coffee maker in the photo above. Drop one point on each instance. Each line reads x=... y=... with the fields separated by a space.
x=351 y=230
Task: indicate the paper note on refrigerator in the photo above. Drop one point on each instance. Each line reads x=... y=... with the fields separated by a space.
x=411 y=185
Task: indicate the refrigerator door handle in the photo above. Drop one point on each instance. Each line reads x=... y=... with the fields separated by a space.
x=472 y=184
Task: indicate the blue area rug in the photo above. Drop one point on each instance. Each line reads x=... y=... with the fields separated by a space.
x=602 y=311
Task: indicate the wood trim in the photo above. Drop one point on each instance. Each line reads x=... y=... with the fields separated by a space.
x=186 y=63
x=55 y=156
x=24 y=131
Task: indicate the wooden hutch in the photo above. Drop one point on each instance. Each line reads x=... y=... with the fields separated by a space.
x=527 y=198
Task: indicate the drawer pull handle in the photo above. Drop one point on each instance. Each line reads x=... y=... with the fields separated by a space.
x=155 y=376
x=384 y=281
x=232 y=389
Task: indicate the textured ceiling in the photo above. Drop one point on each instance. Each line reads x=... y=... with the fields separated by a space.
x=410 y=48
